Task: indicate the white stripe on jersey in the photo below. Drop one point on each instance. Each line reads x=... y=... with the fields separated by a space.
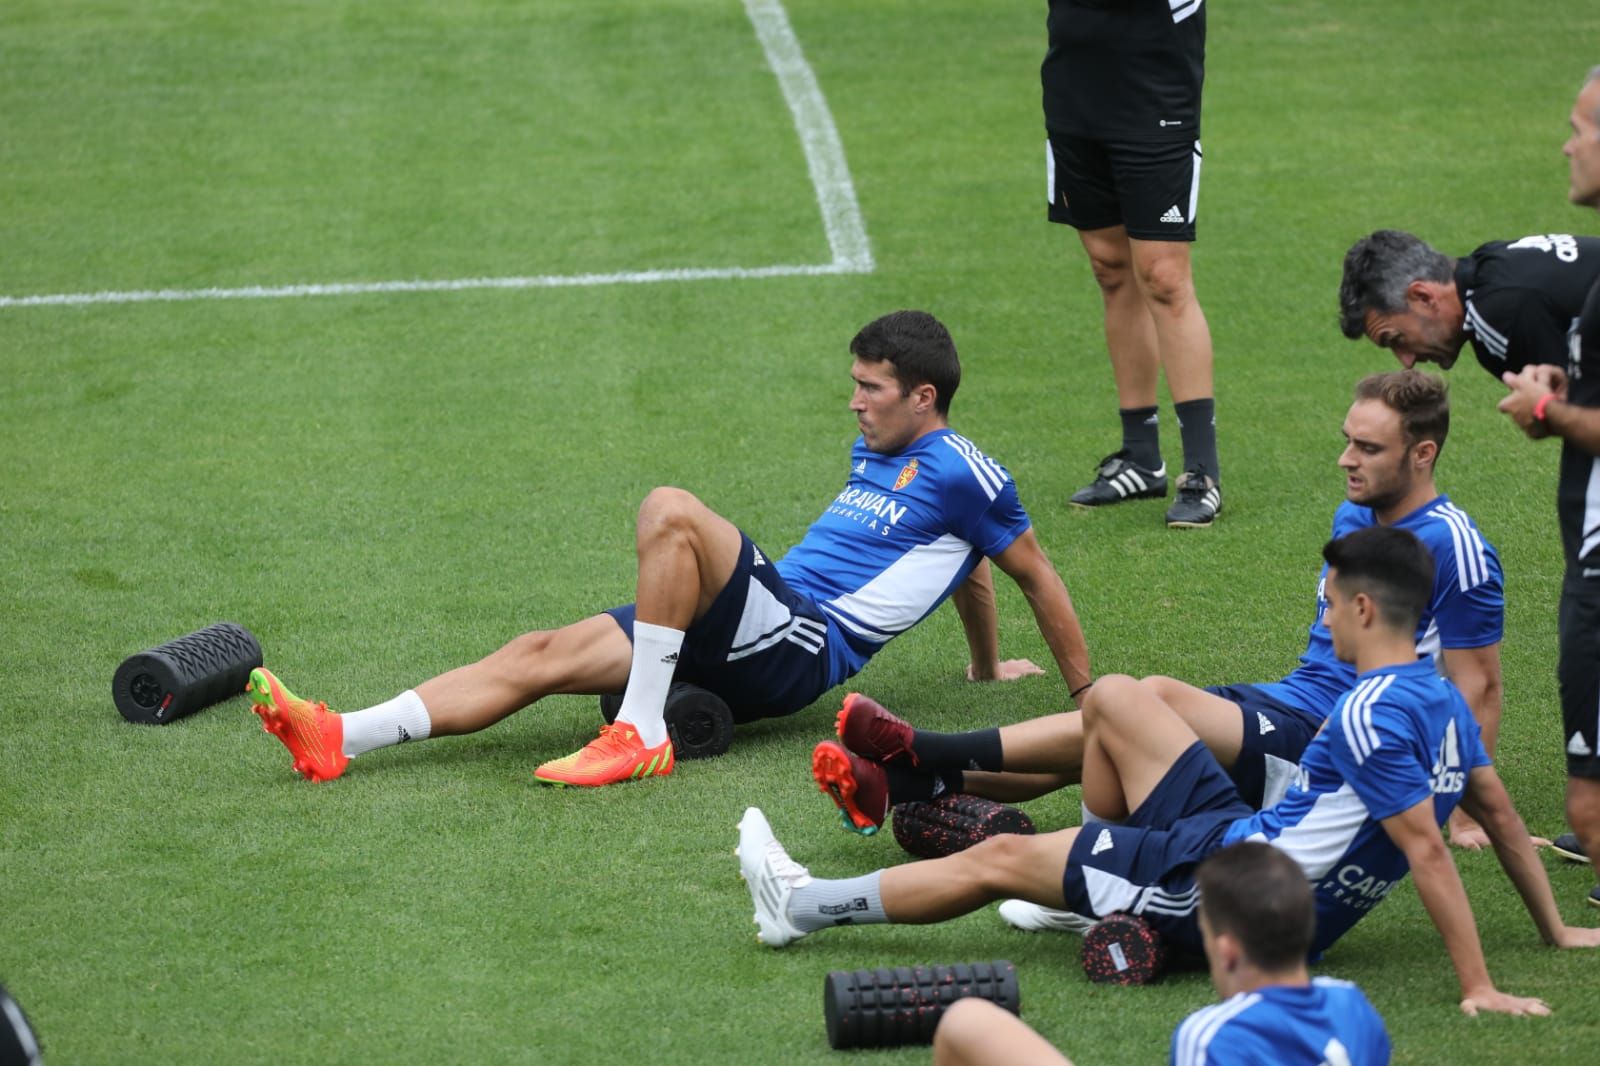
x=893 y=601
x=1182 y=9
x=1201 y=1027
x=1591 y=513
x=1492 y=338
x=1355 y=716
x=1472 y=564
x=985 y=469
x=1320 y=839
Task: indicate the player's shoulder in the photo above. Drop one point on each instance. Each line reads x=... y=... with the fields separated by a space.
x=1382 y=705
x=1459 y=548
x=1349 y=517
x=957 y=458
x=1196 y=1033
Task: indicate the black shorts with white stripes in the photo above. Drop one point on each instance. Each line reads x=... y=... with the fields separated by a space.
x=1152 y=189
x=1578 y=673
x=761 y=646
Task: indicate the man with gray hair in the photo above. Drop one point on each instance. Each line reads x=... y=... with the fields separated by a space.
x=1514 y=301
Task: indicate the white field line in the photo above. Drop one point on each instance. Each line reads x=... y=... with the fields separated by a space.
x=830 y=176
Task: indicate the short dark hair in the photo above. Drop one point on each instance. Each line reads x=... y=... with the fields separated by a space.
x=1421 y=400
x=1377 y=270
x=1390 y=565
x=1259 y=896
x=918 y=347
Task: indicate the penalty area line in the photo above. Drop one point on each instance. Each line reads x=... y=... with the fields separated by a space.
x=825 y=163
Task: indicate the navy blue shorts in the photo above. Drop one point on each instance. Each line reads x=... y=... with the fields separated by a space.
x=761 y=646
x=1146 y=865
x=1275 y=736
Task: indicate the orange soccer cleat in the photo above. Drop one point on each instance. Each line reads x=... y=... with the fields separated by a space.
x=313 y=734
x=616 y=755
x=858 y=787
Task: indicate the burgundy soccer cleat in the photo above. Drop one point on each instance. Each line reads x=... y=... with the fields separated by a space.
x=870 y=730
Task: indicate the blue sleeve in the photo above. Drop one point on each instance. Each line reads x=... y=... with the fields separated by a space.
x=1469 y=600
x=1375 y=760
x=980 y=501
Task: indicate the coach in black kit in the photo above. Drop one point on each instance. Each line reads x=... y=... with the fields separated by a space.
x=1565 y=402
x=1514 y=301
x=1122 y=85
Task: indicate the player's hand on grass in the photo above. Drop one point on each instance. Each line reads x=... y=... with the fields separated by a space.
x=1007 y=670
x=1496 y=1002
x=1577 y=936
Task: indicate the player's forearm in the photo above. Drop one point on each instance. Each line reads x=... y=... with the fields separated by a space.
x=1579 y=426
x=1058 y=624
x=1444 y=898
x=974 y=603
x=1521 y=863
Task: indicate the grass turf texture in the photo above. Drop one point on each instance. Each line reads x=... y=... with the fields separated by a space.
x=385 y=487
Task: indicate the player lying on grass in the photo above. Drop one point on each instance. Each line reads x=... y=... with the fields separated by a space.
x=1256 y=921
x=1393 y=434
x=1373 y=788
x=921 y=512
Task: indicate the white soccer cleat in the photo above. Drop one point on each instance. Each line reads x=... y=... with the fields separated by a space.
x=772 y=877
x=1033 y=918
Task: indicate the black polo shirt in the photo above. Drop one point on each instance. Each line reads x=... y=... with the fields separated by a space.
x=1125 y=70
x=1523 y=297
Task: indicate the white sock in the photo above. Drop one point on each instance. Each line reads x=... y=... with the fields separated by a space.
x=655 y=658
x=401 y=719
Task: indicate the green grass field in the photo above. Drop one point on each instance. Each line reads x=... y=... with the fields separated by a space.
x=384 y=486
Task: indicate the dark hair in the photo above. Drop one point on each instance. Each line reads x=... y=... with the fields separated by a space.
x=1421 y=400
x=1377 y=270
x=1258 y=895
x=918 y=347
x=1390 y=565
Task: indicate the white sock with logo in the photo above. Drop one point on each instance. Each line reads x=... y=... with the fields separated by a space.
x=655 y=659
x=395 y=722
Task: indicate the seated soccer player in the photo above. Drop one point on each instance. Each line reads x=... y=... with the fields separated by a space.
x=921 y=514
x=1394 y=431
x=1400 y=751
x=1256 y=921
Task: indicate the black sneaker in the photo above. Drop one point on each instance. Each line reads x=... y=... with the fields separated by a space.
x=1594 y=896
x=1569 y=847
x=1199 y=500
x=1120 y=478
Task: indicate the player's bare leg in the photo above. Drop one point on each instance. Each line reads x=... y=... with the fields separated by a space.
x=1131 y=740
x=976 y=1032
x=687 y=553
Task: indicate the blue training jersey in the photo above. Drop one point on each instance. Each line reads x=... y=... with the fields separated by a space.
x=897 y=540
x=1467 y=609
x=1401 y=735
x=1326 y=1023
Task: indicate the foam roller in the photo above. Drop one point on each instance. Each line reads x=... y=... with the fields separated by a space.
x=903 y=1005
x=185 y=675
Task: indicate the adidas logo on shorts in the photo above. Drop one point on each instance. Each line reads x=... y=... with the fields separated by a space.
x=1173 y=215
x=1101 y=843
x=1265 y=724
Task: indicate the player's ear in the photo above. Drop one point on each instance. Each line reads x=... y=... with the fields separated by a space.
x=926 y=396
x=1420 y=295
x=1426 y=452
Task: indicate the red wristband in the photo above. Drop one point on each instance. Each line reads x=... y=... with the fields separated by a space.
x=1544 y=401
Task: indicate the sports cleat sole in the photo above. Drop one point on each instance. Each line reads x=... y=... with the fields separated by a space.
x=835 y=778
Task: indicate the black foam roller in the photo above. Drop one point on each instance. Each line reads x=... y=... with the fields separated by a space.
x=185 y=675
x=698 y=721
x=889 y=1007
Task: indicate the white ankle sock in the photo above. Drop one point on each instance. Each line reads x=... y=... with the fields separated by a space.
x=395 y=722
x=655 y=658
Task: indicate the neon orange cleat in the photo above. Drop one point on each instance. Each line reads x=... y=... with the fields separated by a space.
x=858 y=787
x=616 y=755
x=313 y=735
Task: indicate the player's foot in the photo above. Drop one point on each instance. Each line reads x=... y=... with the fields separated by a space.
x=1593 y=898
x=1569 y=847
x=1119 y=478
x=858 y=787
x=1199 y=500
x=1020 y=914
x=617 y=754
x=313 y=734
x=869 y=729
x=771 y=877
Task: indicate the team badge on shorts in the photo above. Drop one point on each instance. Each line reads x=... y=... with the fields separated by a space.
x=907 y=473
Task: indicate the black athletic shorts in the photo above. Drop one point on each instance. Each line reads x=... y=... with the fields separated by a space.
x=1579 y=675
x=1153 y=189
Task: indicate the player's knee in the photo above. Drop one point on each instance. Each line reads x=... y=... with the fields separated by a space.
x=1111 y=694
x=1112 y=272
x=524 y=662
x=1003 y=863
x=667 y=510
x=1166 y=281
